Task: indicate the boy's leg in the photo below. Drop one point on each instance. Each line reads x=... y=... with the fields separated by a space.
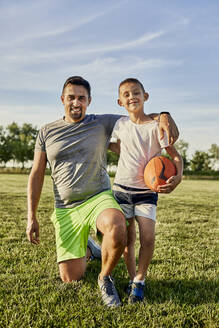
x=129 y=252
x=147 y=240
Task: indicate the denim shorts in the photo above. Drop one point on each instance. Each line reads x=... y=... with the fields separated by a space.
x=139 y=204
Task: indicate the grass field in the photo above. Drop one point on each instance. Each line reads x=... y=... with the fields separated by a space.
x=182 y=285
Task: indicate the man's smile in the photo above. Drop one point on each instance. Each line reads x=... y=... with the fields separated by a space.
x=75 y=109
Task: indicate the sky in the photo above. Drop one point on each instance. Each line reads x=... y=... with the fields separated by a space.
x=171 y=46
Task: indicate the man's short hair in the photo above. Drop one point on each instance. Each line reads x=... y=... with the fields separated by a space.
x=132 y=80
x=78 y=80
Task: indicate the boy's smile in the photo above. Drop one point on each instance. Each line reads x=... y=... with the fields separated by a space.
x=132 y=97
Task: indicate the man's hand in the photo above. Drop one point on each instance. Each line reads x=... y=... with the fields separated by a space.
x=170 y=185
x=32 y=231
x=168 y=125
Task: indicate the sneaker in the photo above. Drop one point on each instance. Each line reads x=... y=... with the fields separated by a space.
x=129 y=288
x=110 y=296
x=137 y=293
x=94 y=249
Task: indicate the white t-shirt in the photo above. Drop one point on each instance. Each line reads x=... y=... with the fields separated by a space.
x=139 y=143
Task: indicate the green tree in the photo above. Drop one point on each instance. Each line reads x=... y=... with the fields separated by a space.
x=214 y=155
x=214 y=151
x=112 y=158
x=200 y=162
x=182 y=147
x=5 y=147
x=22 y=140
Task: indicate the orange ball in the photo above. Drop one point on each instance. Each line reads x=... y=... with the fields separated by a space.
x=157 y=171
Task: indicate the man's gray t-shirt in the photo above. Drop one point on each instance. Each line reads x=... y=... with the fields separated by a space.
x=76 y=153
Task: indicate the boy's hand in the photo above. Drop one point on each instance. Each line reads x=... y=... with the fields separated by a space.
x=170 y=185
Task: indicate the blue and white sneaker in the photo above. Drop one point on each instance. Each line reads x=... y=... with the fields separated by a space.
x=137 y=293
x=94 y=249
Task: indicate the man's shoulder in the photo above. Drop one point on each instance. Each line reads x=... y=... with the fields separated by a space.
x=52 y=125
x=107 y=117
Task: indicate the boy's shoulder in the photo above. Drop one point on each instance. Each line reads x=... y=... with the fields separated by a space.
x=122 y=120
x=126 y=120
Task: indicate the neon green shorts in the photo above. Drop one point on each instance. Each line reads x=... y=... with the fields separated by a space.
x=72 y=225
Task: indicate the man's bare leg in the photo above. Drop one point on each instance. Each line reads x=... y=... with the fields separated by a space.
x=72 y=270
x=111 y=223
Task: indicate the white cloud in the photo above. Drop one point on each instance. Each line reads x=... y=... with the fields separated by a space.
x=109 y=69
x=46 y=29
x=22 y=56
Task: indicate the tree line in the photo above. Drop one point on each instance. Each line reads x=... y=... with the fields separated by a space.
x=17 y=145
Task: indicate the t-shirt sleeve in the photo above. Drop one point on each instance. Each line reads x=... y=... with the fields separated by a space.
x=115 y=133
x=40 y=142
x=109 y=122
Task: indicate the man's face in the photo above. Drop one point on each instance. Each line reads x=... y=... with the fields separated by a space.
x=75 y=100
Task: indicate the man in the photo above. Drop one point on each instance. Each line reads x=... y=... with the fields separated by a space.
x=75 y=147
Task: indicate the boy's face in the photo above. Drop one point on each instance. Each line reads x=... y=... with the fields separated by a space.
x=75 y=100
x=132 y=97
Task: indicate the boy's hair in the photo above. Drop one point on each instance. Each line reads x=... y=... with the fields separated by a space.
x=77 y=80
x=132 y=80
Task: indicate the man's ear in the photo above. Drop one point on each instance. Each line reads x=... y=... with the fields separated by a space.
x=119 y=102
x=62 y=99
x=146 y=96
x=89 y=100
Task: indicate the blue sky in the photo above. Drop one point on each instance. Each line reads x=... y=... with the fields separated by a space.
x=172 y=46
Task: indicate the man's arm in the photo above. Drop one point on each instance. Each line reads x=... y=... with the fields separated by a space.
x=167 y=124
x=35 y=184
x=115 y=147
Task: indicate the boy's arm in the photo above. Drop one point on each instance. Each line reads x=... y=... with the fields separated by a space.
x=115 y=147
x=167 y=124
x=173 y=181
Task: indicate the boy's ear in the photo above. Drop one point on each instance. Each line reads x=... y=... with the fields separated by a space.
x=146 y=96
x=62 y=99
x=119 y=102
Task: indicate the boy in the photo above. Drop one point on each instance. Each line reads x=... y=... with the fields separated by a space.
x=139 y=140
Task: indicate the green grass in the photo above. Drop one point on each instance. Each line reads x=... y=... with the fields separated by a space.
x=182 y=286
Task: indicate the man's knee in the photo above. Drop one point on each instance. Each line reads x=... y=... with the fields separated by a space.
x=70 y=277
x=116 y=225
x=112 y=222
x=72 y=270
